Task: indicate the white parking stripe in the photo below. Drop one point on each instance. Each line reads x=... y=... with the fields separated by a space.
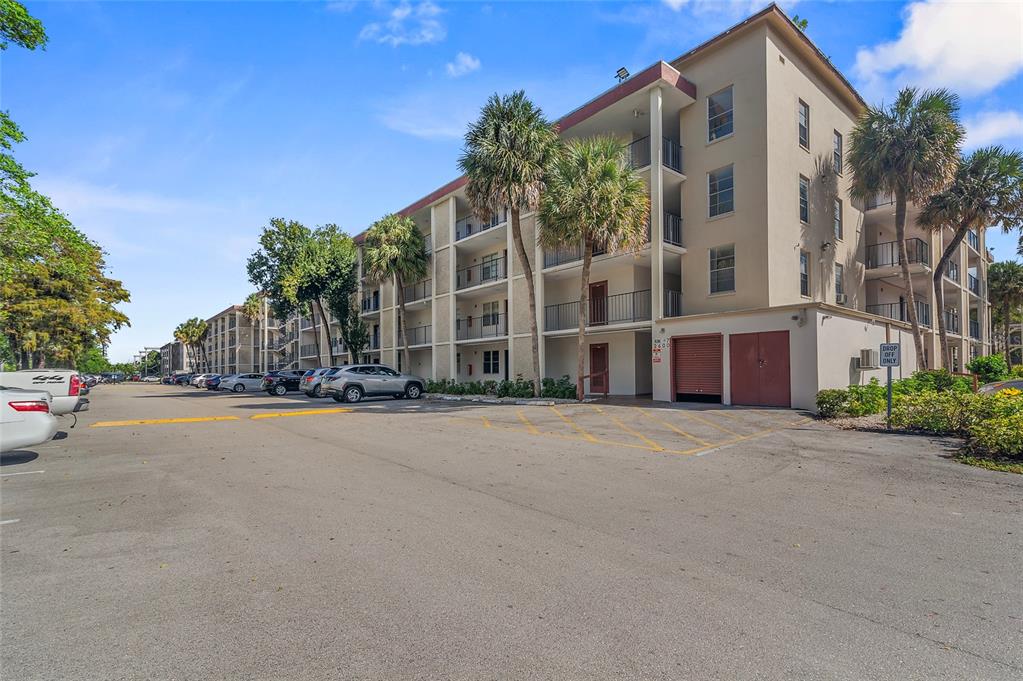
x=7 y=475
x=8 y=522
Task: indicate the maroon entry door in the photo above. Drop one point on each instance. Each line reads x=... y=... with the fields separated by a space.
x=598 y=368
x=760 y=370
x=598 y=303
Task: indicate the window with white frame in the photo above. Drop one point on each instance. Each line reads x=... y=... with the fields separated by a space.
x=804 y=274
x=491 y=312
x=490 y=269
x=804 y=124
x=839 y=280
x=491 y=361
x=720 y=191
x=804 y=199
x=719 y=114
x=839 y=228
x=722 y=269
x=837 y=153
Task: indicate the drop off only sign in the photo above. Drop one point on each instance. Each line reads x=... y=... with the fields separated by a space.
x=890 y=354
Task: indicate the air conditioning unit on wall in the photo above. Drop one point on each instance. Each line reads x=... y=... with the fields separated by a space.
x=869 y=359
x=840 y=298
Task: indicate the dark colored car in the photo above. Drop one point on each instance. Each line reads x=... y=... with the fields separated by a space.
x=281 y=381
x=182 y=379
x=213 y=382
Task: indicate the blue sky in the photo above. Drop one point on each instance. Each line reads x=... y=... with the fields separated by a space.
x=172 y=132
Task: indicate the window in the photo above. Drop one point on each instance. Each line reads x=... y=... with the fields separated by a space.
x=722 y=269
x=720 y=191
x=804 y=274
x=838 y=219
x=491 y=312
x=804 y=125
x=719 y=114
x=491 y=361
x=804 y=199
x=839 y=280
x=490 y=269
x=838 y=152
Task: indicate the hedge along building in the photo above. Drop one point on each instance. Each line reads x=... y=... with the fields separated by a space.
x=761 y=282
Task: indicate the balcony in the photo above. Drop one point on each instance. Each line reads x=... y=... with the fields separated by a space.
x=639 y=154
x=973 y=239
x=672 y=229
x=418 y=291
x=621 y=308
x=567 y=254
x=306 y=324
x=419 y=335
x=880 y=199
x=973 y=283
x=467 y=226
x=308 y=350
x=482 y=327
x=900 y=312
x=483 y=273
x=952 y=321
x=428 y=241
x=371 y=303
x=672 y=303
x=974 y=329
x=952 y=272
x=374 y=342
x=887 y=254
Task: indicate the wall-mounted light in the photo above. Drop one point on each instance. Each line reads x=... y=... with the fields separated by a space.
x=622 y=74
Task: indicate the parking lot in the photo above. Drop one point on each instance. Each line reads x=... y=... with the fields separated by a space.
x=179 y=534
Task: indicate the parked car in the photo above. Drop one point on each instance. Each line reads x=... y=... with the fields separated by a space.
x=25 y=418
x=90 y=380
x=281 y=381
x=150 y=379
x=213 y=382
x=1016 y=383
x=183 y=379
x=64 y=385
x=237 y=383
x=352 y=383
x=198 y=380
x=312 y=382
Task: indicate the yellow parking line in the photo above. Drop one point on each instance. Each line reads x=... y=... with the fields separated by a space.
x=486 y=421
x=529 y=425
x=653 y=445
x=304 y=412
x=152 y=422
x=574 y=425
x=710 y=423
x=677 y=430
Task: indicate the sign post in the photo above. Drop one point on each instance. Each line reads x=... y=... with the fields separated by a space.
x=891 y=356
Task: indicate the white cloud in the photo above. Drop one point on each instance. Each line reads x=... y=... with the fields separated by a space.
x=407 y=24
x=464 y=63
x=992 y=127
x=970 y=47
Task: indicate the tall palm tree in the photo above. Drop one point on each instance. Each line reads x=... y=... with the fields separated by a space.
x=909 y=150
x=395 y=249
x=507 y=153
x=182 y=335
x=987 y=190
x=1005 y=290
x=592 y=197
x=254 y=309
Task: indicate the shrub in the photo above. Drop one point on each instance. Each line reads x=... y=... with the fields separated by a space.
x=520 y=387
x=563 y=388
x=831 y=403
x=988 y=368
x=939 y=380
x=871 y=398
x=1017 y=371
x=1000 y=436
x=941 y=413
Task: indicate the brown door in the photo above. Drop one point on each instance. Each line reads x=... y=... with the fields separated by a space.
x=759 y=368
x=696 y=367
x=598 y=303
x=598 y=368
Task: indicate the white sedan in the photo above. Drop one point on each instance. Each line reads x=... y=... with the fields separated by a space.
x=25 y=418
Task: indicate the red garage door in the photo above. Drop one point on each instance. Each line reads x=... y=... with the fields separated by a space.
x=696 y=367
x=759 y=368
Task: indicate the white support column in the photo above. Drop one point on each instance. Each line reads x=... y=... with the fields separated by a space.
x=452 y=280
x=656 y=206
x=510 y=255
x=539 y=281
x=433 y=293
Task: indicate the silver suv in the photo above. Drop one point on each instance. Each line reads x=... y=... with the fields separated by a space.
x=312 y=382
x=352 y=383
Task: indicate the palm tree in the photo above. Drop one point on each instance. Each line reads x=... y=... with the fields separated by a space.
x=507 y=153
x=182 y=335
x=909 y=150
x=592 y=197
x=987 y=189
x=1005 y=290
x=253 y=308
x=395 y=249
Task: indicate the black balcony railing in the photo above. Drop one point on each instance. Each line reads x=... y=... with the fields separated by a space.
x=887 y=254
x=973 y=239
x=481 y=273
x=374 y=342
x=483 y=326
x=672 y=303
x=900 y=312
x=567 y=254
x=307 y=350
x=469 y=225
x=952 y=321
x=639 y=153
x=620 y=308
x=671 y=154
x=952 y=271
x=974 y=329
x=672 y=229
x=418 y=291
x=307 y=323
x=371 y=303
x=880 y=200
x=973 y=283
x=418 y=335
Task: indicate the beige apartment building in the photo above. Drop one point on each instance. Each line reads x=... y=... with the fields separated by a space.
x=762 y=280
x=236 y=343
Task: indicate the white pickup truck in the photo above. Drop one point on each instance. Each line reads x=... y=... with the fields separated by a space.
x=64 y=385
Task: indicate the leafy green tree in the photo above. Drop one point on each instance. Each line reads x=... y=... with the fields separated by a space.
x=19 y=27
x=1005 y=291
x=909 y=150
x=93 y=361
x=987 y=189
x=280 y=248
x=395 y=249
x=593 y=197
x=352 y=327
x=508 y=150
